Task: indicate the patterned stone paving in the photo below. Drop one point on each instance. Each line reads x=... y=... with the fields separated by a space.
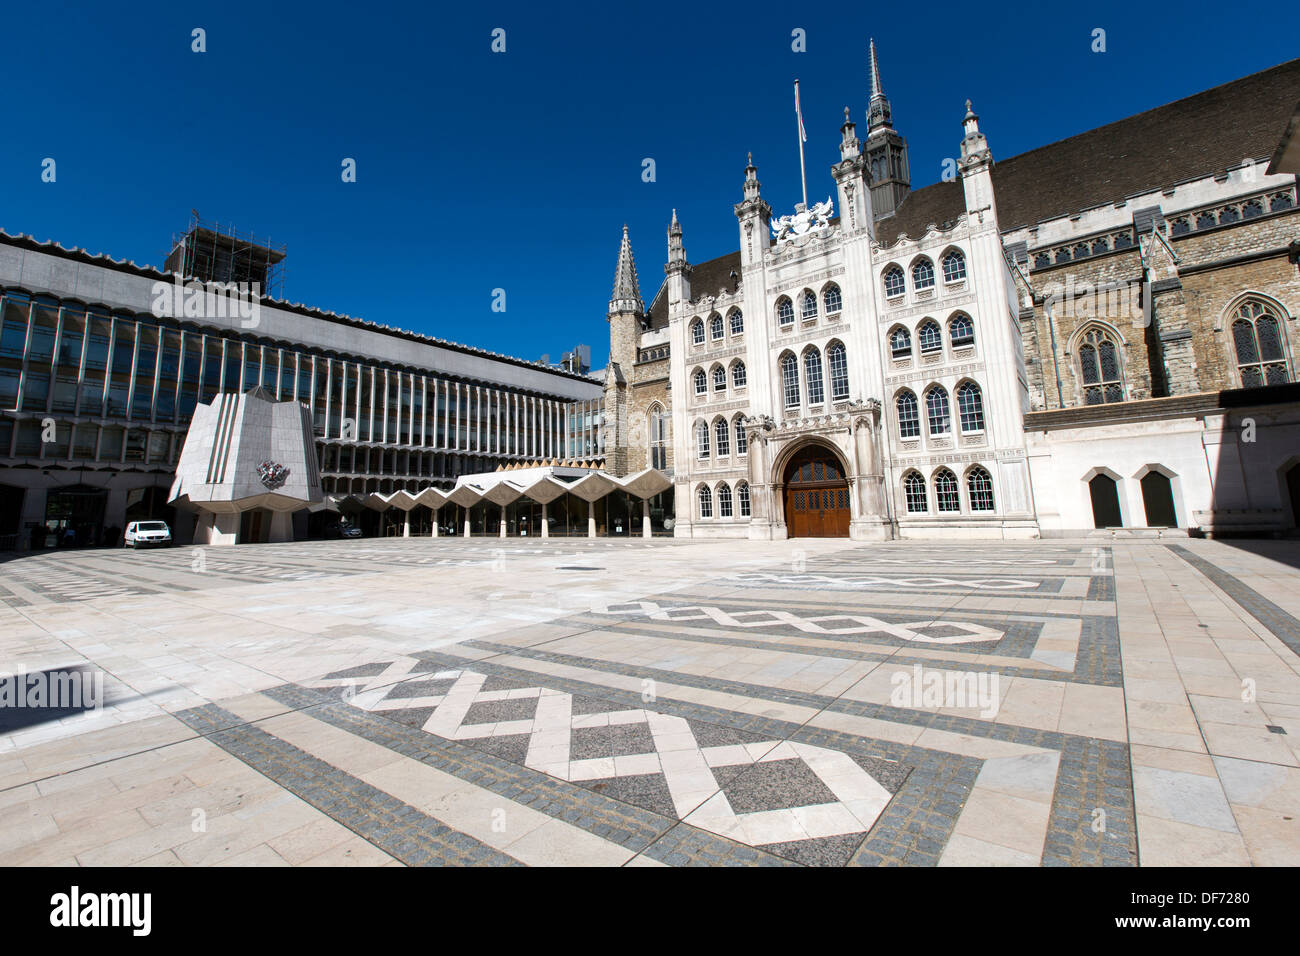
x=425 y=702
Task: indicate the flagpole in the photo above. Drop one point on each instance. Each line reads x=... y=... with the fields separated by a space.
x=798 y=112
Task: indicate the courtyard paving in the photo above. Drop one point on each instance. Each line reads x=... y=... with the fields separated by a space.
x=644 y=703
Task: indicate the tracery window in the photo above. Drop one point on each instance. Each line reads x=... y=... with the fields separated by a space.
x=1099 y=368
x=1257 y=338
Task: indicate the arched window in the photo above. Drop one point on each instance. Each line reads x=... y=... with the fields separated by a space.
x=838 y=360
x=738 y=375
x=790 y=380
x=742 y=499
x=658 y=438
x=970 y=407
x=812 y=370
x=1205 y=220
x=914 y=492
x=945 y=490
x=784 y=311
x=936 y=410
x=1279 y=201
x=737 y=320
x=954 y=267
x=719 y=378
x=701 y=382
x=1100 y=245
x=980 y=489
x=724 y=501
x=722 y=433
x=931 y=337
x=961 y=330
x=895 y=284
x=697 y=332
x=1180 y=226
x=808 y=306
x=702 y=439
x=1257 y=339
x=832 y=299
x=706 y=502
x=900 y=343
x=1252 y=208
x=923 y=275
x=715 y=328
x=1099 y=368
x=909 y=419
x=742 y=441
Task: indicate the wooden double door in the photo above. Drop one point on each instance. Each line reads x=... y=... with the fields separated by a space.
x=816 y=496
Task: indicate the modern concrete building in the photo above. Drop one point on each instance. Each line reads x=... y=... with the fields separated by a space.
x=104 y=363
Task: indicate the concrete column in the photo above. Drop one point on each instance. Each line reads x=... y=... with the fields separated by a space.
x=503 y=522
x=591 y=520
x=645 y=517
x=546 y=531
x=406 y=524
x=435 y=522
x=467 y=522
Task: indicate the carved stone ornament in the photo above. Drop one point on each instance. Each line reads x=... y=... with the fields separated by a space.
x=273 y=475
x=803 y=222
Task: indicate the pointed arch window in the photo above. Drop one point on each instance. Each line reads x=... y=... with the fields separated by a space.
x=697 y=332
x=742 y=440
x=970 y=407
x=738 y=375
x=837 y=359
x=1099 y=368
x=719 y=379
x=724 y=500
x=701 y=382
x=832 y=299
x=706 y=502
x=808 y=306
x=936 y=410
x=658 y=438
x=914 y=492
x=945 y=491
x=1260 y=348
x=900 y=343
x=954 y=267
x=722 y=434
x=790 y=380
x=702 y=440
x=812 y=369
x=784 y=311
x=923 y=275
x=737 y=320
x=931 y=337
x=979 y=488
x=909 y=419
x=742 y=499
x=961 y=331
x=895 y=283
x=715 y=328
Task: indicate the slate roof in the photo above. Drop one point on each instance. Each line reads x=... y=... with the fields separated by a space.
x=1196 y=136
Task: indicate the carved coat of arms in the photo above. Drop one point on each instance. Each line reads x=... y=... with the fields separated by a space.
x=804 y=221
x=273 y=475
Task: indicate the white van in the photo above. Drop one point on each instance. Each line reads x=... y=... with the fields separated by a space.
x=146 y=533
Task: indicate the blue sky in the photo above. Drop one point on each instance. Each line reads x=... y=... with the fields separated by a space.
x=478 y=171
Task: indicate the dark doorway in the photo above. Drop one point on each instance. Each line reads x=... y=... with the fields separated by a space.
x=1105 y=502
x=1158 y=498
x=74 y=517
x=1293 y=491
x=816 y=495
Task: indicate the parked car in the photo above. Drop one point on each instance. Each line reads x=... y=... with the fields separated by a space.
x=350 y=531
x=147 y=534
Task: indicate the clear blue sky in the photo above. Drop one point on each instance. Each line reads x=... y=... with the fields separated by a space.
x=479 y=171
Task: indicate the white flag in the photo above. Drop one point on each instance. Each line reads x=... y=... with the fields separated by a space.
x=798 y=112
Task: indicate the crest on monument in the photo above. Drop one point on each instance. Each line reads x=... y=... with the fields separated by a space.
x=804 y=221
x=273 y=475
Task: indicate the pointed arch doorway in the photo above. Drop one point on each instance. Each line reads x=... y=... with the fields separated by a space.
x=816 y=495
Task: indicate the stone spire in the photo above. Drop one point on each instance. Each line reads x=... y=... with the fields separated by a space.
x=878 y=111
x=676 y=250
x=627 y=293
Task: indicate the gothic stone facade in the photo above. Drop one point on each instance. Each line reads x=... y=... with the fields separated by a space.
x=984 y=355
